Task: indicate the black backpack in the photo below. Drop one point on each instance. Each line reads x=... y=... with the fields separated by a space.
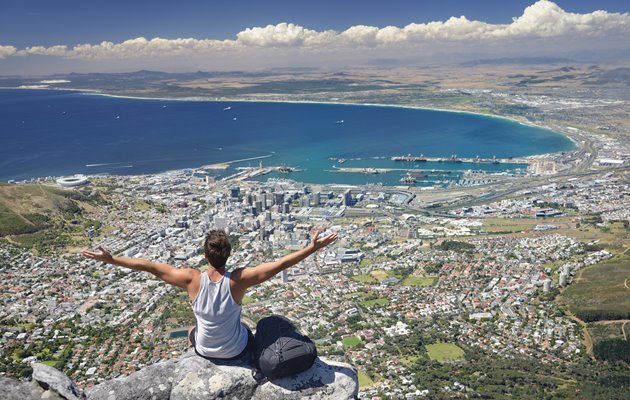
x=280 y=349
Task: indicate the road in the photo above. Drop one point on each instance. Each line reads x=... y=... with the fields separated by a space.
x=499 y=194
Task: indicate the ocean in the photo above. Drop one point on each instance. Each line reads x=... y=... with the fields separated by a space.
x=58 y=133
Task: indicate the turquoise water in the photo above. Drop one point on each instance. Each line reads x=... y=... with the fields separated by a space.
x=178 y=334
x=47 y=132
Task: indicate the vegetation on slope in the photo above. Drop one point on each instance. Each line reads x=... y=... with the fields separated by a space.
x=43 y=218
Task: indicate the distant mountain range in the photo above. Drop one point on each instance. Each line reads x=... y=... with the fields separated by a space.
x=308 y=81
x=519 y=61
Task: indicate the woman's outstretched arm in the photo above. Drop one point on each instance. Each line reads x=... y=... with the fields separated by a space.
x=248 y=277
x=180 y=277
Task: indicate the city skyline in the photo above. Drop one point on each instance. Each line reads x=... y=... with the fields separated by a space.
x=192 y=37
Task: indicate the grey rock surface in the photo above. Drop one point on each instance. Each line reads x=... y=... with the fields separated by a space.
x=191 y=377
x=325 y=379
x=15 y=390
x=152 y=382
x=197 y=378
x=54 y=380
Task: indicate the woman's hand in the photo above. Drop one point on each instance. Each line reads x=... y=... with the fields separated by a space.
x=317 y=243
x=100 y=255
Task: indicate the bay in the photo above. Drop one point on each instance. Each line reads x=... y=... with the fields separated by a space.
x=57 y=133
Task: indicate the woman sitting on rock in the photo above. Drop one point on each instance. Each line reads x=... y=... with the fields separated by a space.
x=216 y=295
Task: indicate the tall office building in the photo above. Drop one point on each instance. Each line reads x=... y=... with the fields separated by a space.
x=316 y=199
x=347 y=198
x=278 y=198
x=263 y=200
x=563 y=279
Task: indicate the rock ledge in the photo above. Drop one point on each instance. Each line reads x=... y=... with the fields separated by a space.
x=192 y=377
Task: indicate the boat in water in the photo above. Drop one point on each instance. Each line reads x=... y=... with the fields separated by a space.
x=408 y=179
x=410 y=158
x=285 y=169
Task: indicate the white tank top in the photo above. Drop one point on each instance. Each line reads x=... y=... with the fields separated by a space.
x=219 y=332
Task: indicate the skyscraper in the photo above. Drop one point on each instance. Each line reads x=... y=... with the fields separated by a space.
x=263 y=200
x=347 y=198
x=278 y=198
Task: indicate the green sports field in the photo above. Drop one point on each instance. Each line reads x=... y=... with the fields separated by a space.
x=351 y=341
x=420 y=281
x=444 y=352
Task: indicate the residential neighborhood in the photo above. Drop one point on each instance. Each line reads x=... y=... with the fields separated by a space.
x=391 y=275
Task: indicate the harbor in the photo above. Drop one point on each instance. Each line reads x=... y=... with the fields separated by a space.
x=425 y=172
x=437 y=171
x=454 y=159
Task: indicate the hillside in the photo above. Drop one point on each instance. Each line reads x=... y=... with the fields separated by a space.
x=40 y=217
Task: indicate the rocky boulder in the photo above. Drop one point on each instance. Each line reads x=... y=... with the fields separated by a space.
x=191 y=377
x=47 y=383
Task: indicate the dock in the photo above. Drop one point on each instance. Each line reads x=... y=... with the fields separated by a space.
x=251 y=172
x=427 y=172
x=226 y=164
x=457 y=160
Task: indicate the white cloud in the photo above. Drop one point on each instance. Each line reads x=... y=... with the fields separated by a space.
x=146 y=48
x=59 y=50
x=359 y=35
x=546 y=19
x=280 y=35
x=542 y=20
x=6 y=51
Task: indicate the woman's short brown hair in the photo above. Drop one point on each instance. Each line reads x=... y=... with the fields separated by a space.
x=217 y=248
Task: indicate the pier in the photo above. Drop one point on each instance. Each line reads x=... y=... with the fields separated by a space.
x=251 y=172
x=426 y=172
x=226 y=164
x=455 y=159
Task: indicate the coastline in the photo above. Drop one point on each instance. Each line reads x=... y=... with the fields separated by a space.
x=225 y=165
x=339 y=103
x=574 y=141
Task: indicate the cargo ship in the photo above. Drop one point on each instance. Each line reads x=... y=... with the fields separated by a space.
x=410 y=158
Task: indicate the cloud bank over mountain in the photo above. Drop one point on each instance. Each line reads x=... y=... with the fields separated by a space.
x=543 y=29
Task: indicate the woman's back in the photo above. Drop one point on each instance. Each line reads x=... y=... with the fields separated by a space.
x=219 y=332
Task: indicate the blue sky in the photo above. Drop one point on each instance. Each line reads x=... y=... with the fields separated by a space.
x=230 y=35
